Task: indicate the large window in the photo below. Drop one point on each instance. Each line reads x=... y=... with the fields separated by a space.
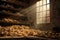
x=43 y=11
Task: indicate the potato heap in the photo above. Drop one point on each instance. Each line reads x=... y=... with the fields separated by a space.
x=50 y=34
x=17 y=30
x=25 y=31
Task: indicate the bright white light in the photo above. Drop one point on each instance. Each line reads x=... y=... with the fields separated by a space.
x=48 y=1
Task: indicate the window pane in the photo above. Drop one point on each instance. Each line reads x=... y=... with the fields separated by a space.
x=48 y=20
x=44 y=2
x=44 y=14
x=37 y=19
x=44 y=20
x=48 y=1
x=48 y=6
x=40 y=9
x=44 y=8
x=43 y=11
x=40 y=15
x=48 y=13
x=40 y=2
x=37 y=9
x=40 y=20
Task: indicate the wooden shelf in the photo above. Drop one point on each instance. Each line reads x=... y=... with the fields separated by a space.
x=14 y=16
x=12 y=9
x=10 y=23
x=11 y=14
x=19 y=3
x=8 y=12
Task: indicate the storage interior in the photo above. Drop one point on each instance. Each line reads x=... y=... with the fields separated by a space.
x=17 y=19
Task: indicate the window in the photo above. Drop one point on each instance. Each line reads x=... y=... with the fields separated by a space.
x=43 y=11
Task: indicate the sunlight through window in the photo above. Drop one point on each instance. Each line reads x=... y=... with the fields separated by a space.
x=43 y=11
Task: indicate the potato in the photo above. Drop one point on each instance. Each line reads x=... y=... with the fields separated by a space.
x=16 y=30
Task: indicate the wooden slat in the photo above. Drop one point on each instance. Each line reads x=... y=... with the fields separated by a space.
x=17 y=3
x=11 y=14
x=14 y=16
x=3 y=23
x=12 y=9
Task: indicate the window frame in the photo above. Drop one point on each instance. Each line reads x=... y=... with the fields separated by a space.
x=39 y=12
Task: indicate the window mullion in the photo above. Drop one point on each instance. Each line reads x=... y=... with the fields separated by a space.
x=46 y=11
x=42 y=11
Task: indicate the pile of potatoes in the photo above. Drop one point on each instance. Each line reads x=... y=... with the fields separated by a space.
x=25 y=31
x=17 y=30
x=51 y=34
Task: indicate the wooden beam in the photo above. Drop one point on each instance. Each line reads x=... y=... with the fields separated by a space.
x=33 y=1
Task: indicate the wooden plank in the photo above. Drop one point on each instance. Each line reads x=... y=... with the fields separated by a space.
x=12 y=9
x=24 y=4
